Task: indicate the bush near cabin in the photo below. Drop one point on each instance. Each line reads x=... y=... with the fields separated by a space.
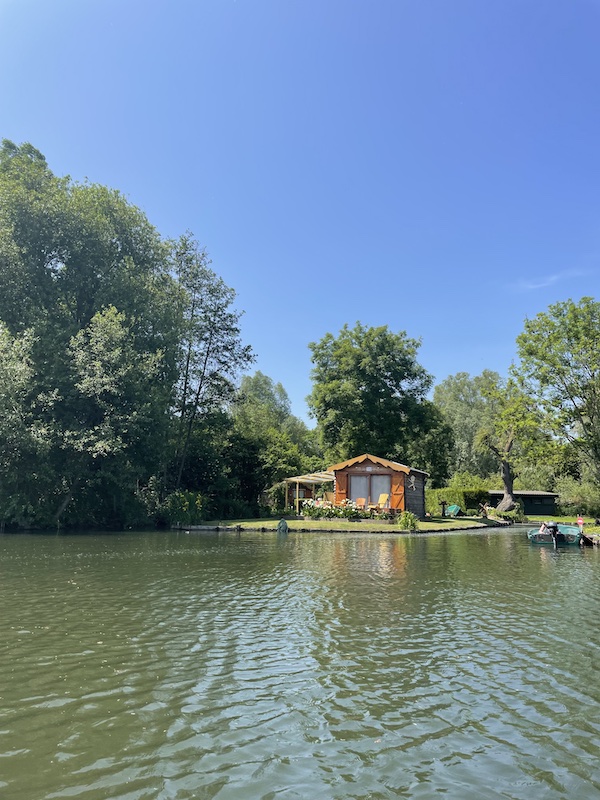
x=465 y=498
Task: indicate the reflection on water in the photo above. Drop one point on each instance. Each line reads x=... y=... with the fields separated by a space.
x=303 y=666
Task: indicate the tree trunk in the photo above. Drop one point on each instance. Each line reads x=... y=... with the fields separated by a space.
x=508 y=502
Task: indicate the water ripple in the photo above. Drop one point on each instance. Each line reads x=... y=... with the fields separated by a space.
x=176 y=666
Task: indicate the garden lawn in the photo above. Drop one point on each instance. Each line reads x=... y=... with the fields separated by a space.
x=336 y=524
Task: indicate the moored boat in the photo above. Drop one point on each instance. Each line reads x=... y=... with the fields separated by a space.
x=555 y=535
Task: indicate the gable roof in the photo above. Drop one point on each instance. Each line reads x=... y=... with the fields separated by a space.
x=383 y=462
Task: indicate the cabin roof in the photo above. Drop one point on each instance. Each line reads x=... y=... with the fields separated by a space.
x=383 y=462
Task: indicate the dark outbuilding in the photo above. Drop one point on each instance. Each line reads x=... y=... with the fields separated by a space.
x=537 y=503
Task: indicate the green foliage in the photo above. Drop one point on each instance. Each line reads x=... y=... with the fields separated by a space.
x=560 y=369
x=513 y=516
x=468 y=481
x=184 y=508
x=407 y=521
x=282 y=444
x=431 y=445
x=115 y=345
x=464 y=404
x=211 y=352
x=577 y=497
x=455 y=495
x=451 y=496
x=516 y=514
x=369 y=397
x=512 y=432
x=347 y=510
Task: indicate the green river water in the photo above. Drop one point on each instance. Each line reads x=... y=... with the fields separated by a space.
x=164 y=666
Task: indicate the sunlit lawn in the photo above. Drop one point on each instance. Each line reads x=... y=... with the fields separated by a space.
x=369 y=525
x=432 y=524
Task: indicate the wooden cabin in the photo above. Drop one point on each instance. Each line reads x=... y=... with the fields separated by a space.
x=380 y=483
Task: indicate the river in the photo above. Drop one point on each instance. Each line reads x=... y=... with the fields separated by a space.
x=168 y=666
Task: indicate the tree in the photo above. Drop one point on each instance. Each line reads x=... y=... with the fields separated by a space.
x=559 y=353
x=368 y=393
x=432 y=444
x=85 y=276
x=510 y=430
x=211 y=351
x=24 y=440
x=282 y=443
x=463 y=401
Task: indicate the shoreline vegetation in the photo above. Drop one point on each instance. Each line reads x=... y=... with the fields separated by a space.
x=127 y=401
x=431 y=525
x=300 y=525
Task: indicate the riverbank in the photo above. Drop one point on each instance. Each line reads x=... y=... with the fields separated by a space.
x=431 y=525
x=301 y=525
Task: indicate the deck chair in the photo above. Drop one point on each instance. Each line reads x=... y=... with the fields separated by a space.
x=360 y=502
x=381 y=503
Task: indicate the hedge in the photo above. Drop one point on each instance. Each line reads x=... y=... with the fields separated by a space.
x=465 y=498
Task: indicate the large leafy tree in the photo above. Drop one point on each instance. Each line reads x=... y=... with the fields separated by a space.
x=559 y=353
x=510 y=430
x=464 y=402
x=211 y=351
x=24 y=439
x=120 y=331
x=369 y=393
x=85 y=277
x=432 y=444
x=284 y=445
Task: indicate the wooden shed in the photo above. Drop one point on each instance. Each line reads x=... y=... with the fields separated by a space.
x=540 y=503
x=369 y=477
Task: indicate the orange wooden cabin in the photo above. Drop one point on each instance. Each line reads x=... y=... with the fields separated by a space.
x=379 y=483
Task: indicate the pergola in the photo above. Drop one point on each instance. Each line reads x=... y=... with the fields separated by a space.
x=312 y=479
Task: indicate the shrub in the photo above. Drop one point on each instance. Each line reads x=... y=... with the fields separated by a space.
x=577 y=497
x=516 y=515
x=184 y=508
x=407 y=521
x=465 y=498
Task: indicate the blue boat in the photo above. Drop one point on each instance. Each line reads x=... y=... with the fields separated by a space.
x=556 y=535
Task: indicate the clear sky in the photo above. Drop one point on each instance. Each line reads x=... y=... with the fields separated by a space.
x=430 y=165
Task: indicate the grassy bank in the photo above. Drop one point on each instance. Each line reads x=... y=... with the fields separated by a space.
x=364 y=526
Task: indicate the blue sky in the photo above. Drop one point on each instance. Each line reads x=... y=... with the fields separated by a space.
x=431 y=165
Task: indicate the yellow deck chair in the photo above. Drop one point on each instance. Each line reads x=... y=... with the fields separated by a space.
x=381 y=503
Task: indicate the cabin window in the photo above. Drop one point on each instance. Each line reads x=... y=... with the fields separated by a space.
x=380 y=484
x=359 y=487
x=369 y=487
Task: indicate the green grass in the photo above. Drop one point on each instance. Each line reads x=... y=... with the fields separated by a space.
x=432 y=524
x=565 y=520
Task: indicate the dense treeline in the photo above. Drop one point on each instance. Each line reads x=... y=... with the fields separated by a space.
x=120 y=354
x=125 y=398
